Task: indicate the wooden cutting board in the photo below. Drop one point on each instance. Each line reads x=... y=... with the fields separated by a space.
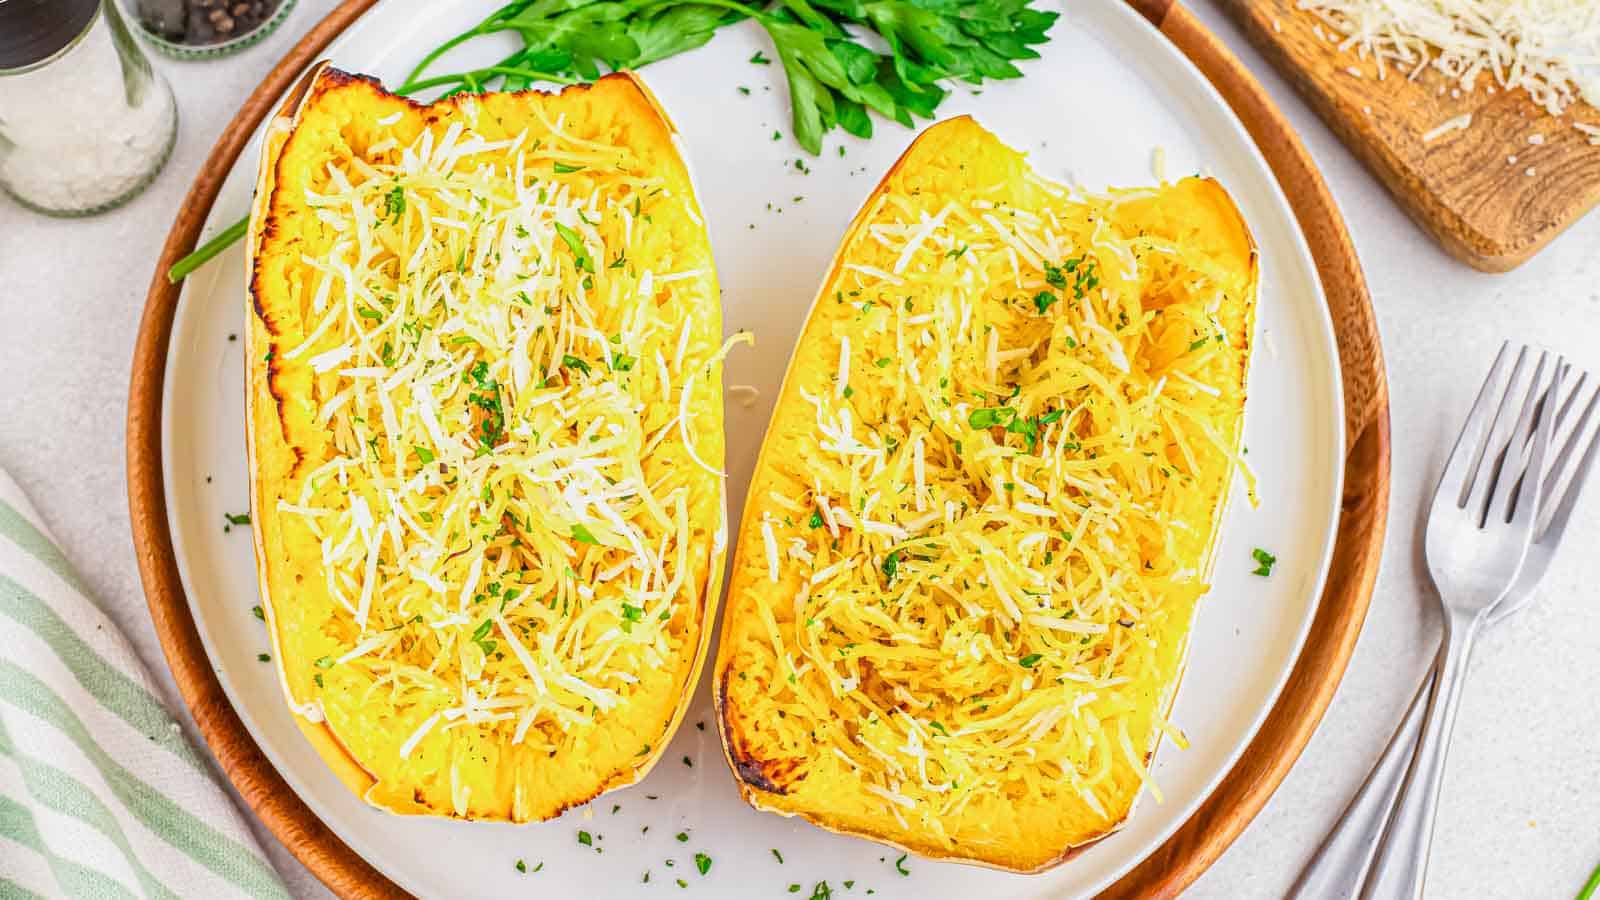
x=1487 y=193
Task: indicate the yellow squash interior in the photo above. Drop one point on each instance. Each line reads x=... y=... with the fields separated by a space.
x=485 y=419
x=986 y=506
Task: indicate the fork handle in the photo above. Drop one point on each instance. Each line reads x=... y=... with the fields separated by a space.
x=1341 y=863
x=1402 y=860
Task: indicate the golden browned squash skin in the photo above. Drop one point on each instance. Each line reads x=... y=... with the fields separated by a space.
x=787 y=729
x=469 y=771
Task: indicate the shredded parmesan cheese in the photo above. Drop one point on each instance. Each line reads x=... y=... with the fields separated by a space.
x=1455 y=123
x=1548 y=48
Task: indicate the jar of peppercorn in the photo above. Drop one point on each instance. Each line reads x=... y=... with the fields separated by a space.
x=202 y=29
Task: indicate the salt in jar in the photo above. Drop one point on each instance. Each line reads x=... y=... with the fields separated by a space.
x=85 y=122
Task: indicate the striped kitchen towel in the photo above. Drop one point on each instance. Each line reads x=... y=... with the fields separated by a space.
x=100 y=794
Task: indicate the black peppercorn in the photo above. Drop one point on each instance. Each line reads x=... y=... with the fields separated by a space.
x=201 y=22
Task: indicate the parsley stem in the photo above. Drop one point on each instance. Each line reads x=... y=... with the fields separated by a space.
x=509 y=11
x=439 y=51
x=476 y=77
x=740 y=8
x=203 y=253
x=1590 y=886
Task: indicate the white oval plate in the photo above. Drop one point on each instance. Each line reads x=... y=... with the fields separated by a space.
x=1109 y=90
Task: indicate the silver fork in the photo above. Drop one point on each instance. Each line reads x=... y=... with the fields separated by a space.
x=1338 y=869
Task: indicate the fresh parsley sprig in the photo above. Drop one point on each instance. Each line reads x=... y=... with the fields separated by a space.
x=834 y=77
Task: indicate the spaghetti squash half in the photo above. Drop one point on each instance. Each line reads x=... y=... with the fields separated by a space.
x=986 y=507
x=485 y=432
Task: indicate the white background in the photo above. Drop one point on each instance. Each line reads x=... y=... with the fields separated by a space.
x=1522 y=798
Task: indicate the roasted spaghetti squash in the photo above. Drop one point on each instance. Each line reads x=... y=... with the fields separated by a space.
x=986 y=506
x=485 y=432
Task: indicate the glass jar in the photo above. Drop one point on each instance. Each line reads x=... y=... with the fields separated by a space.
x=206 y=29
x=85 y=122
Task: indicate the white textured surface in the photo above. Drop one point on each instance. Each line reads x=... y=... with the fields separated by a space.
x=1520 y=803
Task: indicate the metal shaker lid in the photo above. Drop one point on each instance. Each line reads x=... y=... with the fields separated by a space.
x=34 y=30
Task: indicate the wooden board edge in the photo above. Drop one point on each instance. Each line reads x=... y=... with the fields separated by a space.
x=252 y=774
x=1165 y=873
x=1358 y=546
x=1457 y=236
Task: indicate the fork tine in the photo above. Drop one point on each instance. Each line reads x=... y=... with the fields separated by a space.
x=1523 y=475
x=1561 y=494
x=1573 y=393
x=1503 y=451
x=1564 y=437
x=1515 y=455
x=1465 y=456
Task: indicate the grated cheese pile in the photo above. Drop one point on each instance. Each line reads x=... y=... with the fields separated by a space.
x=969 y=562
x=1549 y=48
x=513 y=485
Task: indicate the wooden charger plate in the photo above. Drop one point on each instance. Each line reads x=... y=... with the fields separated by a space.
x=1165 y=872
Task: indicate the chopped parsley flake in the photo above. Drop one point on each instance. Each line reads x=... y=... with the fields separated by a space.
x=891 y=565
x=394 y=203
x=574 y=242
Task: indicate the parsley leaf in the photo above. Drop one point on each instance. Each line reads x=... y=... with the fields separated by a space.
x=891 y=565
x=480 y=636
x=580 y=254
x=394 y=203
x=990 y=417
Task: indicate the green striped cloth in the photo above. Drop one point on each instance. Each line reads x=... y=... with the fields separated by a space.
x=100 y=794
